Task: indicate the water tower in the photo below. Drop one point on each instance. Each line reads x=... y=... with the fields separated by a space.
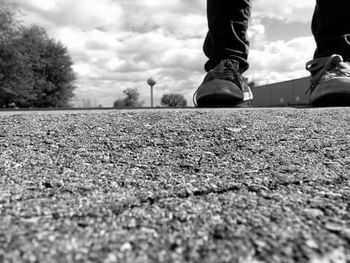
x=151 y=82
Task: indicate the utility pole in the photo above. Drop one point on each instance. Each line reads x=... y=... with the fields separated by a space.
x=151 y=82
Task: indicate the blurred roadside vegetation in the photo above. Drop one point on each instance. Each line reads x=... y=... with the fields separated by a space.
x=131 y=100
x=35 y=69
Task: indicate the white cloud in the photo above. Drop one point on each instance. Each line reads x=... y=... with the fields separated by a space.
x=281 y=60
x=85 y=14
x=287 y=10
x=256 y=32
x=274 y=61
x=45 y=6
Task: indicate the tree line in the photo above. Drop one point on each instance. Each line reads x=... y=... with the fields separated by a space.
x=131 y=99
x=35 y=69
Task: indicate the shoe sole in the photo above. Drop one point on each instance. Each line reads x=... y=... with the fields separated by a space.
x=219 y=93
x=333 y=99
x=218 y=101
x=334 y=92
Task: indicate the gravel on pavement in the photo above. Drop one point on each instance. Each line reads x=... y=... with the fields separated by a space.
x=177 y=185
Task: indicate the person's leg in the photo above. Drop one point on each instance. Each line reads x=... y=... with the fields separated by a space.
x=331 y=28
x=226 y=46
x=226 y=39
x=330 y=84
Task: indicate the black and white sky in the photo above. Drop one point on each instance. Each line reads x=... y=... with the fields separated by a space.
x=119 y=44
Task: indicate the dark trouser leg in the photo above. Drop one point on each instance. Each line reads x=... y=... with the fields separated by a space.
x=330 y=26
x=226 y=39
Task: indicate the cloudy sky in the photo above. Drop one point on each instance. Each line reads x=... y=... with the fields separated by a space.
x=119 y=44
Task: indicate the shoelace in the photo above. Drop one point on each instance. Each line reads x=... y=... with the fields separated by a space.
x=225 y=70
x=324 y=68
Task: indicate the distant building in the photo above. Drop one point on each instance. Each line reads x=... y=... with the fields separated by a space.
x=287 y=93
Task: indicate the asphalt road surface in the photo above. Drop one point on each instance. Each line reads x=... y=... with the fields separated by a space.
x=196 y=185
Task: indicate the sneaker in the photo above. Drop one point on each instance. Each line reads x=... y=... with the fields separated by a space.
x=330 y=84
x=223 y=86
